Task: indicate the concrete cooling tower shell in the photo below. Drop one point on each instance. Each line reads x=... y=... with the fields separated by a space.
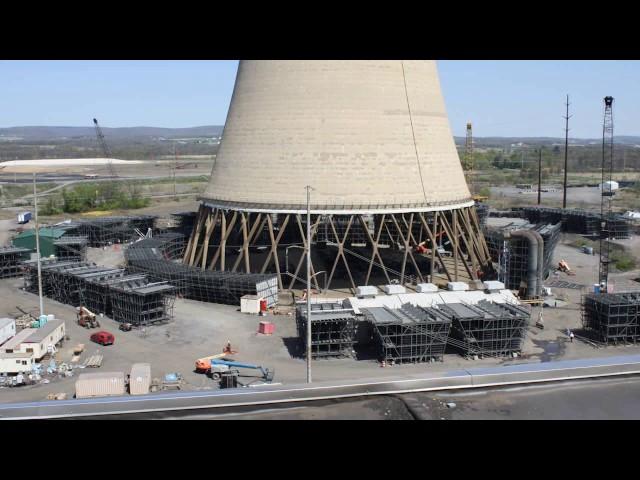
x=367 y=136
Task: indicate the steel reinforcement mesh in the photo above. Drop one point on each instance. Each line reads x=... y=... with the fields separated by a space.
x=486 y=329
x=410 y=334
x=71 y=248
x=612 y=318
x=333 y=330
x=153 y=258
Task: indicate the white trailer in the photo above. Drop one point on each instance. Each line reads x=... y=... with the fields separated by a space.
x=7 y=329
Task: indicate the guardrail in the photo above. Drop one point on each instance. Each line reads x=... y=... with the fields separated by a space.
x=526 y=373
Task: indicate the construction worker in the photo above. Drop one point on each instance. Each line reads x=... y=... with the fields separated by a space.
x=227 y=348
x=571 y=337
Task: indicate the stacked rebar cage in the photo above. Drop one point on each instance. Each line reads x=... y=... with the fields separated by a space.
x=153 y=257
x=110 y=291
x=333 y=329
x=486 y=329
x=410 y=334
x=70 y=247
x=578 y=221
x=612 y=318
x=104 y=231
x=11 y=261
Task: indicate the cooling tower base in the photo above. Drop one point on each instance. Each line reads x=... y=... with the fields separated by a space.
x=348 y=250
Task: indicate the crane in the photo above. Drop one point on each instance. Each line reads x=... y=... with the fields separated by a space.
x=105 y=149
x=607 y=196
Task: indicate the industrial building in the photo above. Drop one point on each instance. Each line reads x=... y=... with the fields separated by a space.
x=48 y=237
x=387 y=198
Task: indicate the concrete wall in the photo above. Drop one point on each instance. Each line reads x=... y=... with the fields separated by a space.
x=342 y=127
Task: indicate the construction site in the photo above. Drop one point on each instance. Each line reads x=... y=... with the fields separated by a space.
x=351 y=265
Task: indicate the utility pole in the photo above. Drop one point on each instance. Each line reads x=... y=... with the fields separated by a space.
x=566 y=154
x=468 y=155
x=308 y=283
x=175 y=167
x=539 y=176
x=35 y=207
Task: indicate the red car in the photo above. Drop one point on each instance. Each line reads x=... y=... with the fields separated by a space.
x=103 y=338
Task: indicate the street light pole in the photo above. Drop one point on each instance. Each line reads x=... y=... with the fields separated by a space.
x=308 y=283
x=35 y=207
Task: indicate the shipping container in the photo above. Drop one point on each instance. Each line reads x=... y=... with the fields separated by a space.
x=102 y=384
x=140 y=379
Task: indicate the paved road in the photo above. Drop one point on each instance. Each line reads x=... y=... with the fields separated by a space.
x=577 y=400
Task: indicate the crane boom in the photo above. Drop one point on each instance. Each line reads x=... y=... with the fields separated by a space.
x=105 y=149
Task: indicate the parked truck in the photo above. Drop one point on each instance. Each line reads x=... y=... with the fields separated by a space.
x=24 y=217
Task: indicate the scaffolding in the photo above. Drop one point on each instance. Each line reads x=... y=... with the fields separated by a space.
x=70 y=247
x=612 y=318
x=333 y=330
x=486 y=329
x=410 y=334
x=11 y=261
x=512 y=253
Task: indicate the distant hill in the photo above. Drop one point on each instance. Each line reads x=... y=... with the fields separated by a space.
x=508 y=141
x=60 y=133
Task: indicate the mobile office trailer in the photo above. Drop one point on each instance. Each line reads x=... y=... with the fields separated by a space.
x=7 y=329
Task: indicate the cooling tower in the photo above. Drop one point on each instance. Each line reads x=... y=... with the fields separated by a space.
x=366 y=135
x=372 y=139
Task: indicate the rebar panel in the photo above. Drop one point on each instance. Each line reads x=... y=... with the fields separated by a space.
x=333 y=330
x=410 y=334
x=487 y=329
x=11 y=261
x=612 y=317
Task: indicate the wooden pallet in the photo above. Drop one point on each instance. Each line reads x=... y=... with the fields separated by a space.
x=94 y=361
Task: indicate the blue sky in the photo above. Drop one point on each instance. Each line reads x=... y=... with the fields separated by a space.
x=501 y=98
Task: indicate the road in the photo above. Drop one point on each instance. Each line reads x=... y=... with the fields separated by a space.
x=605 y=399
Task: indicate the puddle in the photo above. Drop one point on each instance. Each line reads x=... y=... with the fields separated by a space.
x=552 y=349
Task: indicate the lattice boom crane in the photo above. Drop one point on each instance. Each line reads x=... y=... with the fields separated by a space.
x=105 y=149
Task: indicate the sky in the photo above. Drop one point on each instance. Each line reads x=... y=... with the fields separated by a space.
x=501 y=98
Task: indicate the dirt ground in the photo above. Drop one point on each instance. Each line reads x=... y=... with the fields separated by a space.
x=201 y=329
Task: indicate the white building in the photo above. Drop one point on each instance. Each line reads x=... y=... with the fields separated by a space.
x=44 y=339
x=7 y=329
x=16 y=362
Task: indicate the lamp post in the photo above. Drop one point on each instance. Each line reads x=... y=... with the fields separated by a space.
x=35 y=207
x=308 y=188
